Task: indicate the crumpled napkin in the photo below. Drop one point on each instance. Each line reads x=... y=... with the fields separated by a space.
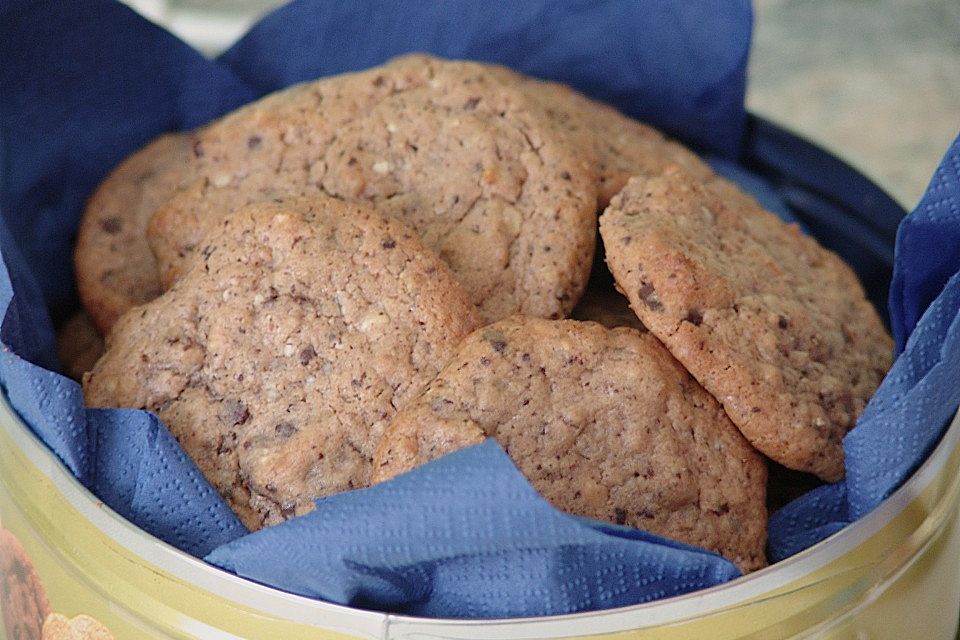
x=84 y=84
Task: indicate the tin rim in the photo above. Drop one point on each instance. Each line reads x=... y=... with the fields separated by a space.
x=309 y=611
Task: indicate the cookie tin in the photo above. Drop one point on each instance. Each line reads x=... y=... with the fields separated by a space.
x=894 y=574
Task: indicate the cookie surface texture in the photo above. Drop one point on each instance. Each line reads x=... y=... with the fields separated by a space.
x=776 y=327
x=280 y=357
x=621 y=146
x=23 y=600
x=604 y=423
x=115 y=268
x=487 y=180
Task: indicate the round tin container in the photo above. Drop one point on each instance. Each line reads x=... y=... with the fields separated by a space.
x=894 y=574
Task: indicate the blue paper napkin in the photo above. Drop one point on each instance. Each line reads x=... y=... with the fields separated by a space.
x=467 y=537
x=83 y=84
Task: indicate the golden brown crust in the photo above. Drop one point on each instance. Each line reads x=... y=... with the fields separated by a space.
x=776 y=327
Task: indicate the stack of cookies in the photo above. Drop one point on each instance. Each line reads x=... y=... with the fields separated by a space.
x=354 y=276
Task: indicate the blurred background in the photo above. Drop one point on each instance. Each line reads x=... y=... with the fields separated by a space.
x=877 y=82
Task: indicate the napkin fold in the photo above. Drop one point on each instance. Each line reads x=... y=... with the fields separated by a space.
x=466 y=536
x=84 y=84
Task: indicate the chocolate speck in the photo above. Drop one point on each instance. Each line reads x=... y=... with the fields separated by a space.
x=111 y=225
x=565 y=175
x=649 y=296
x=485 y=361
x=723 y=509
x=694 y=317
x=307 y=354
x=254 y=142
x=389 y=243
x=619 y=516
x=782 y=322
x=198 y=151
x=285 y=429
x=234 y=412
x=471 y=104
x=379 y=81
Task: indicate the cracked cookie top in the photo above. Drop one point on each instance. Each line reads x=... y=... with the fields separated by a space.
x=604 y=423
x=776 y=327
x=280 y=356
x=621 y=146
x=464 y=157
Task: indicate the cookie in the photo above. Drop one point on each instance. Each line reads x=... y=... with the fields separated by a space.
x=478 y=169
x=81 y=627
x=115 y=267
x=279 y=358
x=776 y=327
x=23 y=600
x=604 y=423
x=79 y=345
x=620 y=146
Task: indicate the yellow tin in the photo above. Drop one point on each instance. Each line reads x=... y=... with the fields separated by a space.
x=894 y=574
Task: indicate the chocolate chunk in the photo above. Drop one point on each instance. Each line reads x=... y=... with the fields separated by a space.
x=694 y=317
x=111 y=225
x=307 y=354
x=649 y=296
x=285 y=429
x=234 y=412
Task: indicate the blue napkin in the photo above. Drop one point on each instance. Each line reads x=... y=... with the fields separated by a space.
x=467 y=537
x=83 y=84
x=919 y=395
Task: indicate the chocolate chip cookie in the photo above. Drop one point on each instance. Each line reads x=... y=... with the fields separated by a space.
x=468 y=160
x=621 y=147
x=23 y=600
x=115 y=267
x=604 y=423
x=279 y=358
x=776 y=327
x=79 y=345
